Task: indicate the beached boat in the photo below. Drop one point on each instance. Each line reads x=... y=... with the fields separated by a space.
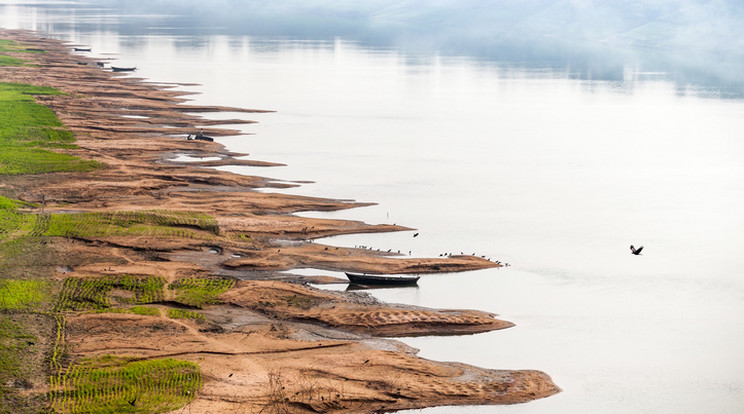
x=82 y=49
x=200 y=138
x=120 y=69
x=365 y=279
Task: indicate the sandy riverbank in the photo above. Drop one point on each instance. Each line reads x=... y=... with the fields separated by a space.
x=271 y=343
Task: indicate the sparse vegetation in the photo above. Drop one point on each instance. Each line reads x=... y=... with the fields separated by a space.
x=297 y=301
x=158 y=223
x=198 y=292
x=121 y=385
x=27 y=257
x=24 y=344
x=13 y=223
x=184 y=314
x=14 y=342
x=33 y=305
x=96 y=293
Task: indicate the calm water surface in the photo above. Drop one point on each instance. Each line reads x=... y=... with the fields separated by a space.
x=553 y=172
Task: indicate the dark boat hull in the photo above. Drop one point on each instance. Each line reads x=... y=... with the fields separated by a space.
x=382 y=280
x=117 y=69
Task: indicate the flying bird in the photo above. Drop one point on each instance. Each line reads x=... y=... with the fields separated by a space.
x=415 y=234
x=635 y=251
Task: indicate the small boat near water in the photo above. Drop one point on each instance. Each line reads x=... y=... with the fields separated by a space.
x=200 y=138
x=387 y=280
x=121 y=69
x=82 y=49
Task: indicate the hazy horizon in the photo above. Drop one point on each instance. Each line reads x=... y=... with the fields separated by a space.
x=696 y=41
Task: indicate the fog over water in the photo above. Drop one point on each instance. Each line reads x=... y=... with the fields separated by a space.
x=550 y=134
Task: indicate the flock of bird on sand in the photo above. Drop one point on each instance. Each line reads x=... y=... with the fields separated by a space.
x=450 y=254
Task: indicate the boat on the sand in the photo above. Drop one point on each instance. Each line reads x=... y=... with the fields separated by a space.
x=200 y=138
x=82 y=49
x=388 y=280
x=121 y=69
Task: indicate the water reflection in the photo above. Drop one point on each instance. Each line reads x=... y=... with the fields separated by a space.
x=577 y=49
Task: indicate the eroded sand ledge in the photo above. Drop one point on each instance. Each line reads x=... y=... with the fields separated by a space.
x=274 y=341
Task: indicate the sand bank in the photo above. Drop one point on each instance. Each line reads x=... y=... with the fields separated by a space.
x=270 y=343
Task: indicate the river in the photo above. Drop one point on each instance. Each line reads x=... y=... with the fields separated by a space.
x=555 y=169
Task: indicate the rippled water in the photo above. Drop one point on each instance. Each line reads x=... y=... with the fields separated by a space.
x=551 y=170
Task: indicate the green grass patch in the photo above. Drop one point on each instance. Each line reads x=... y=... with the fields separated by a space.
x=7 y=204
x=14 y=223
x=184 y=314
x=28 y=130
x=22 y=160
x=119 y=385
x=10 y=61
x=14 y=47
x=96 y=293
x=199 y=292
x=24 y=295
x=7 y=45
x=158 y=223
x=11 y=204
x=145 y=310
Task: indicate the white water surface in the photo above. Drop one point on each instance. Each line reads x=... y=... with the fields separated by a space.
x=555 y=172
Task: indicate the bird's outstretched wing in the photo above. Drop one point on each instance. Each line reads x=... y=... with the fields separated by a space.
x=638 y=250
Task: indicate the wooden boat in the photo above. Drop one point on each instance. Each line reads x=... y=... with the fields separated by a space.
x=365 y=279
x=200 y=138
x=120 y=69
x=82 y=49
